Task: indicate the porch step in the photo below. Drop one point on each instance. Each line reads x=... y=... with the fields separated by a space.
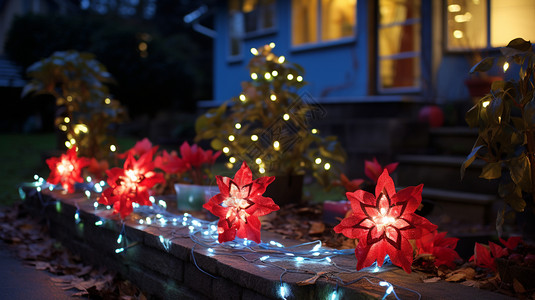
x=443 y=172
x=452 y=140
x=463 y=206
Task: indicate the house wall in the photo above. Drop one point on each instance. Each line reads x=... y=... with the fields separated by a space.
x=335 y=71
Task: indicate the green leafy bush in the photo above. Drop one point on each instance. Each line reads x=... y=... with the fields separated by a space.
x=506 y=121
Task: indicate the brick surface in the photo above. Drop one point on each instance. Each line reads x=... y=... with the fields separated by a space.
x=224 y=289
x=156 y=260
x=173 y=275
x=197 y=280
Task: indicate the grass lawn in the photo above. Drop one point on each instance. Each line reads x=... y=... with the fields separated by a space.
x=21 y=158
x=23 y=155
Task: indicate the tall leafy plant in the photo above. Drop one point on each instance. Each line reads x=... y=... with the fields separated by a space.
x=506 y=121
x=85 y=111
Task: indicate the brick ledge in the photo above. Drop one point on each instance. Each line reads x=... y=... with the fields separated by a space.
x=173 y=275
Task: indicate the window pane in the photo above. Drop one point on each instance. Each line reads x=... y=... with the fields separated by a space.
x=337 y=19
x=397 y=39
x=235 y=27
x=250 y=15
x=268 y=14
x=399 y=44
x=304 y=21
x=511 y=19
x=392 y=12
x=399 y=73
x=467 y=24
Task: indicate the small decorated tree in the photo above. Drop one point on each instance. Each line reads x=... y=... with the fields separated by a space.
x=85 y=111
x=269 y=124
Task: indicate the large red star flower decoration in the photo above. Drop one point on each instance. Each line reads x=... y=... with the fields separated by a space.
x=239 y=204
x=66 y=169
x=384 y=223
x=130 y=184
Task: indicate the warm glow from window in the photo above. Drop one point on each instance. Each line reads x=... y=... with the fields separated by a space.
x=508 y=20
x=336 y=20
x=454 y=8
x=511 y=19
x=399 y=45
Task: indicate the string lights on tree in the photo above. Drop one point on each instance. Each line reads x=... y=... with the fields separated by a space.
x=269 y=124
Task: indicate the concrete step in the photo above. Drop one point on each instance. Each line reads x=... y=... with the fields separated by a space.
x=464 y=207
x=452 y=140
x=443 y=172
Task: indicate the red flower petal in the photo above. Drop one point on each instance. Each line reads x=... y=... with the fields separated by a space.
x=239 y=204
x=385 y=184
x=384 y=226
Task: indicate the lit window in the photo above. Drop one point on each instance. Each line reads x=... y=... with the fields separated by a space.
x=249 y=17
x=399 y=45
x=468 y=26
x=315 y=21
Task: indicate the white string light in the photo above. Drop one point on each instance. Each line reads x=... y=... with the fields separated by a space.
x=204 y=233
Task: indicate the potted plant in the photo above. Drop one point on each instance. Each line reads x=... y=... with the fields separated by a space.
x=269 y=126
x=505 y=118
x=86 y=114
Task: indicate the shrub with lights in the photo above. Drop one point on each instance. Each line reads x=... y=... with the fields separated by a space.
x=85 y=111
x=269 y=124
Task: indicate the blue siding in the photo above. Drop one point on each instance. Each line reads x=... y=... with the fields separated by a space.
x=334 y=71
x=339 y=72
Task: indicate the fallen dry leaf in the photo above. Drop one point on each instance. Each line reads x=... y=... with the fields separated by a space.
x=311 y=280
x=518 y=287
x=316 y=227
x=432 y=279
x=456 y=277
x=471 y=283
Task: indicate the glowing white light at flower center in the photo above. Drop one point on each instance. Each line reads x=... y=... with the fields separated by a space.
x=237 y=206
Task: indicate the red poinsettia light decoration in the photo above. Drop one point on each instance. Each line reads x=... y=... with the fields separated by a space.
x=66 y=169
x=239 y=204
x=350 y=185
x=98 y=168
x=442 y=248
x=130 y=184
x=372 y=169
x=194 y=159
x=384 y=223
x=485 y=256
x=170 y=163
x=140 y=148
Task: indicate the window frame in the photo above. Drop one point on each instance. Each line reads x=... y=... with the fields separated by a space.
x=321 y=43
x=411 y=54
x=234 y=58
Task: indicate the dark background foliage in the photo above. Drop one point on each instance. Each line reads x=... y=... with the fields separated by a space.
x=173 y=73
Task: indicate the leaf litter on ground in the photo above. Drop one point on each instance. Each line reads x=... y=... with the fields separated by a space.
x=29 y=238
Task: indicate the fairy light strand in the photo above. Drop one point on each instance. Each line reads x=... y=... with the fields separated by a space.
x=204 y=234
